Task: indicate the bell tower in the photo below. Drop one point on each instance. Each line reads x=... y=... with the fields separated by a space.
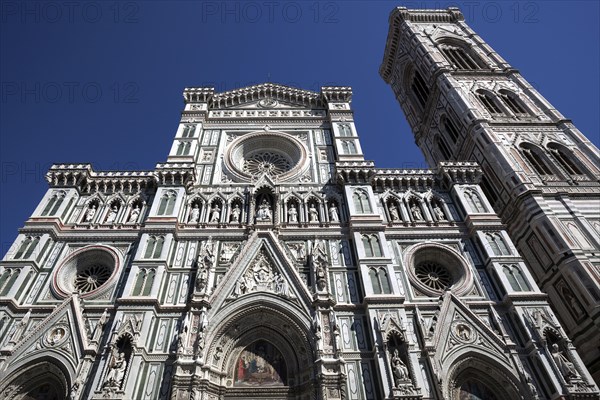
x=464 y=102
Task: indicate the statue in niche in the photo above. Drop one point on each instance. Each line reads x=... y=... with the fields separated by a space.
x=333 y=213
x=572 y=302
x=205 y=262
x=112 y=215
x=439 y=213
x=281 y=285
x=135 y=213
x=292 y=213
x=566 y=367
x=264 y=211
x=394 y=212
x=399 y=369
x=194 y=214
x=313 y=213
x=89 y=214
x=241 y=287
x=117 y=369
x=235 y=213
x=215 y=213
x=416 y=212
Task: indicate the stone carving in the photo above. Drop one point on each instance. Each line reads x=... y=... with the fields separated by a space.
x=394 y=215
x=264 y=211
x=135 y=214
x=194 y=214
x=416 y=212
x=313 y=213
x=261 y=276
x=215 y=213
x=90 y=212
x=463 y=332
x=333 y=213
x=117 y=369
x=112 y=215
x=292 y=213
x=298 y=250
x=20 y=327
x=399 y=369
x=206 y=259
x=319 y=261
x=56 y=335
x=566 y=367
x=439 y=213
x=235 y=214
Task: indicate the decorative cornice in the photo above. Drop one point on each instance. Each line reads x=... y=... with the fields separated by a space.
x=84 y=178
x=267 y=90
x=400 y=15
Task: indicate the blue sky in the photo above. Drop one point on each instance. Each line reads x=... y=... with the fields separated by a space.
x=101 y=81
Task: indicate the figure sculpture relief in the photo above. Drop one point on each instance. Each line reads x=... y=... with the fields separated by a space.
x=117 y=370
x=333 y=213
x=20 y=326
x=135 y=213
x=416 y=212
x=264 y=211
x=439 y=213
x=112 y=215
x=194 y=214
x=566 y=367
x=399 y=369
x=394 y=213
x=89 y=214
x=235 y=213
x=292 y=213
x=205 y=262
x=314 y=214
x=215 y=213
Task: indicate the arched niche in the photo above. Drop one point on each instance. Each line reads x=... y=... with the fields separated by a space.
x=286 y=342
x=474 y=377
x=40 y=379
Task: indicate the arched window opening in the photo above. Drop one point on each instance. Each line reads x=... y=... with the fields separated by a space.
x=535 y=160
x=144 y=281
x=497 y=244
x=345 y=129
x=7 y=280
x=460 y=58
x=54 y=204
x=361 y=202
x=488 y=102
x=24 y=246
x=188 y=131
x=154 y=247
x=167 y=203
x=474 y=201
x=420 y=89
x=371 y=245
x=443 y=148
x=451 y=130
x=348 y=147
x=564 y=160
x=31 y=247
x=515 y=278
x=512 y=102
x=383 y=280
x=375 y=281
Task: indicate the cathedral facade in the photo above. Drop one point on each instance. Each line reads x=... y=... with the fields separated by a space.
x=267 y=259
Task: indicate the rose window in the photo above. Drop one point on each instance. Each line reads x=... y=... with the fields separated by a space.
x=279 y=155
x=88 y=271
x=266 y=163
x=433 y=275
x=91 y=278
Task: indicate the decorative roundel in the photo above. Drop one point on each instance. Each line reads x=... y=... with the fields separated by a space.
x=433 y=267
x=267 y=103
x=88 y=271
x=275 y=154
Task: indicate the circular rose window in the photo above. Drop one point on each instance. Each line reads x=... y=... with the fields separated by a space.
x=274 y=154
x=88 y=271
x=434 y=267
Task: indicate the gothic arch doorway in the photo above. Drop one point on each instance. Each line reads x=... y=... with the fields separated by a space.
x=267 y=354
x=476 y=379
x=40 y=381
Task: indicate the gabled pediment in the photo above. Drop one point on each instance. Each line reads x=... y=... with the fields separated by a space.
x=264 y=268
x=459 y=331
x=61 y=335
